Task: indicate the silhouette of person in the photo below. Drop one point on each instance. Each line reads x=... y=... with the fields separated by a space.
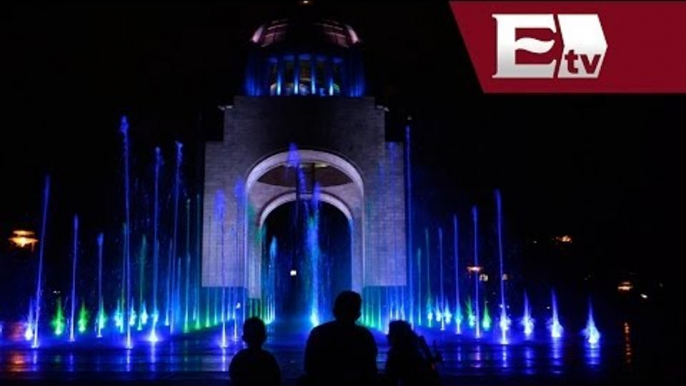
x=341 y=352
x=253 y=365
x=407 y=363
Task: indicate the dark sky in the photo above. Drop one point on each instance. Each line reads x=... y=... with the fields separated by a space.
x=604 y=168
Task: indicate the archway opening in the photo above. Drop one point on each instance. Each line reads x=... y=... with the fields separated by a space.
x=306 y=262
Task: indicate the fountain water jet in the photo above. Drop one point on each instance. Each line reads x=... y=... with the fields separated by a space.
x=156 y=246
x=168 y=289
x=188 y=266
x=83 y=318
x=441 y=305
x=527 y=320
x=100 y=319
x=487 y=322
x=456 y=252
x=124 y=128
x=142 y=311
x=220 y=211
x=410 y=222
x=556 y=329
x=429 y=310
x=58 y=322
x=471 y=316
x=475 y=217
x=591 y=332
x=28 y=333
x=75 y=254
x=271 y=281
x=198 y=244
x=419 y=286
x=173 y=253
x=504 y=322
x=314 y=255
x=41 y=250
x=119 y=316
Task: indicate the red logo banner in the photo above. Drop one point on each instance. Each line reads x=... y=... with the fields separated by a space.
x=576 y=47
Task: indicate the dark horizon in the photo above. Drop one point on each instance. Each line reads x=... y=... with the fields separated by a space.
x=600 y=168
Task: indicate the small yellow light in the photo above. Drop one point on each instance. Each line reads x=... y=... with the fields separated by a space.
x=625 y=286
x=23 y=239
x=565 y=239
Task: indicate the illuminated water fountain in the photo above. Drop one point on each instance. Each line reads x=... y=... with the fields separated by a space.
x=116 y=315
x=556 y=329
x=591 y=332
x=458 y=306
x=39 y=276
x=126 y=302
x=527 y=320
x=504 y=322
x=475 y=217
x=73 y=300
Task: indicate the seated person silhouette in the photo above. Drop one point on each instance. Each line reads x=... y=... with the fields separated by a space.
x=253 y=365
x=341 y=352
x=409 y=361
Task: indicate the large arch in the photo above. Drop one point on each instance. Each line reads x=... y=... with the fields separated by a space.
x=290 y=197
x=305 y=156
x=263 y=197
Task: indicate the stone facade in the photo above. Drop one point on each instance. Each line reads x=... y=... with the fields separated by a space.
x=345 y=133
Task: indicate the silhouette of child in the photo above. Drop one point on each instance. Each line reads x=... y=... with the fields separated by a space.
x=407 y=364
x=253 y=365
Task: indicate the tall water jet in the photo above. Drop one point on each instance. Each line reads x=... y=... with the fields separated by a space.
x=555 y=326
x=591 y=332
x=456 y=252
x=208 y=295
x=41 y=250
x=410 y=223
x=477 y=270
x=100 y=318
x=429 y=310
x=124 y=128
x=220 y=211
x=177 y=292
x=504 y=322
x=198 y=245
x=314 y=255
x=75 y=254
x=271 y=275
x=188 y=266
x=527 y=320
x=441 y=306
x=173 y=253
x=142 y=310
x=302 y=223
x=156 y=246
x=419 y=286
x=168 y=289
x=122 y=284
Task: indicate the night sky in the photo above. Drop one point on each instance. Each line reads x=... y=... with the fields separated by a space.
x=605 y=169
